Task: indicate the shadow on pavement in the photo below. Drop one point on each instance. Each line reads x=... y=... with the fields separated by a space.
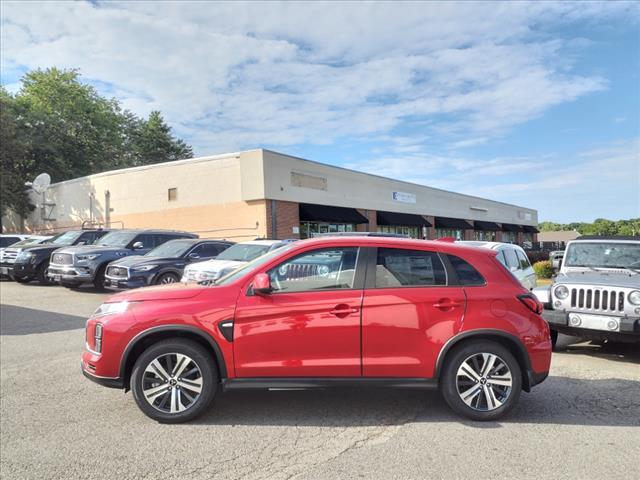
x=617 y=351
x=24 y=321
x=558 y=401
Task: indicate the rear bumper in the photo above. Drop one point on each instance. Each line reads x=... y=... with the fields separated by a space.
x=559 y=320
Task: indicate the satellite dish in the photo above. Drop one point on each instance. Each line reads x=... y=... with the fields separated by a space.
x=41 y=183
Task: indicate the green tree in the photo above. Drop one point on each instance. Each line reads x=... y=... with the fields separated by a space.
x=59 y=125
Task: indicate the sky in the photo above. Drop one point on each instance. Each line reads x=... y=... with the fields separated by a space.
x=536 y=104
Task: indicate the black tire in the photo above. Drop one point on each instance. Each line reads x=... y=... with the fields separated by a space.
x=22 y=279
x=41 y=275
x=453 y=387
x=98 y=279
x=167 y=278
x=554 y=338
x=167 y=349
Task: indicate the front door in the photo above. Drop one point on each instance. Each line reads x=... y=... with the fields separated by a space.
x=309 y=325
x=408 y=309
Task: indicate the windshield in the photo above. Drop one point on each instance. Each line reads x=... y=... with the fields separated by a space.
x=66 y=238
x=602 y=255
x=251 y=266
x=116 y=239
x=171 y=249
x=243 y=252
x=28 y=241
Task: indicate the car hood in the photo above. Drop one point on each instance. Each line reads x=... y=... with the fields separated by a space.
x=139 y=260
x=45 y=247
x=214 y=266
x=614 y=279
x=174 y=291
x=87 y=249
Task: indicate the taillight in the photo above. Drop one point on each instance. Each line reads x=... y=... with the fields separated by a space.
x=531 y=302
x=97 y=338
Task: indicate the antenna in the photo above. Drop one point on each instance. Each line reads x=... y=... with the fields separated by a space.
x=41 y=183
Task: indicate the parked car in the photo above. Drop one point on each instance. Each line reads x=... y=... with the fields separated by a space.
x=596 y=295
x=230 y=259
x=33 y=262
x=75 y=266
x=164 y=264
x=339 y=311
x=513 y=258
x=555 y=257
x=10 y=239
x=8 y=255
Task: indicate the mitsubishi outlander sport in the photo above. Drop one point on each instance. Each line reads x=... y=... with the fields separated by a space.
x=328 y=312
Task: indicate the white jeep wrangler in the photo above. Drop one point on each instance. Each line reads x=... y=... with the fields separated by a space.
x=596 y=294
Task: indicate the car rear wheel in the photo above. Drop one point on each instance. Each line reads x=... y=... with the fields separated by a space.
x=174 y=381
x=167 y=278
x=481 y=380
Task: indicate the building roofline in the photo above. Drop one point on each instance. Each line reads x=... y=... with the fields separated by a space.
x=414 y=184
x=156 y=165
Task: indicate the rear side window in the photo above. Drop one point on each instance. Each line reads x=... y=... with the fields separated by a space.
x=147 y=240
x=524 y=261
x=512 y=258
x=467 y=274
x=408 y=268
x=6 y=241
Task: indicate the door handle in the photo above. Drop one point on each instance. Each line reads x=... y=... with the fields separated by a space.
x=446 y=304
x=342 y=311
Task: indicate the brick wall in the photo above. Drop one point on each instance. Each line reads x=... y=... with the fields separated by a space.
x=287 y=216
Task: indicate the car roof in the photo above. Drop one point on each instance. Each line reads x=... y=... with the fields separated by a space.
x=491 y=245
x=394 y=242
x=608 y=238
x=154 y=230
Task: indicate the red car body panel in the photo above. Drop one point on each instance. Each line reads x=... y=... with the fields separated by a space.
x=390 y=332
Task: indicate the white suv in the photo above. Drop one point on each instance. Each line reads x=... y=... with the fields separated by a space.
x=514 y=259
x=232 y=258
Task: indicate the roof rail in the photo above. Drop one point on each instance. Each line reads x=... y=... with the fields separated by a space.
x=360 y=234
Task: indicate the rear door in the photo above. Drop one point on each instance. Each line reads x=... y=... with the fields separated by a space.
x=309 y=325
x=528 y=274
x=408 y=310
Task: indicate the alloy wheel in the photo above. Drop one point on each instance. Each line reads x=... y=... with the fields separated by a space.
x=167 y=279
x=172 y=383
x=484 y=382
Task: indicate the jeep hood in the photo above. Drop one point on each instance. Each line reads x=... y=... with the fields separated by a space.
x=604 y=279
x=174 y=291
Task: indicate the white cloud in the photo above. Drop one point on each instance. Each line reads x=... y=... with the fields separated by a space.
x=231 y=75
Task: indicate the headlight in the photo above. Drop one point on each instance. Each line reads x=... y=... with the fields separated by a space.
x=634 y=297
x=111 y=308
x=89 y=256
x=144 y=268
x=561 y=292
x=24 y=256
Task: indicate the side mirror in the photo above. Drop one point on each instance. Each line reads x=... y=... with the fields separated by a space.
x=138 y=245
x=193 y=256
x=262 y=284
x=80 y=243
x=514 y=269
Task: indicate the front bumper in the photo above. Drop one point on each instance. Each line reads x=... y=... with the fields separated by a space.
x=120 y=283
x=25 y=270
x=104 y=381
x=69 y=274
x=559 y=320
x=6 y=269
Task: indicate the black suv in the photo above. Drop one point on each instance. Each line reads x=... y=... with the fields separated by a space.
x=75 y=266
x=33 y=262
x=163 y=264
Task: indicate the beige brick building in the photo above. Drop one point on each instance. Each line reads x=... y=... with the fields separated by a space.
x=260 y=193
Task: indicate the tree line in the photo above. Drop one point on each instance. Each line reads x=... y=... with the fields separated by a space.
x=600 y=226
x=57 y=124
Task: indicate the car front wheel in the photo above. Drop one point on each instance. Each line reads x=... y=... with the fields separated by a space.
x=174 y=381
x=481 y=380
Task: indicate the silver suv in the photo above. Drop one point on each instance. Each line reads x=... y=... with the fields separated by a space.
x=596 y=295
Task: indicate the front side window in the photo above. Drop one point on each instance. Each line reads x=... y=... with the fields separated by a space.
x=325 y=269
x=408 y=268
x=208 y=250
x=512 y=259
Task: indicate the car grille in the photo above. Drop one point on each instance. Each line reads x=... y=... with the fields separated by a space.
x=62 y=259
x=301 y=271
x=9 y=255
x=602 y=300
x=115 y=271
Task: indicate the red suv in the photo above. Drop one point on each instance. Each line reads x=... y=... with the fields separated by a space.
x=328 y=312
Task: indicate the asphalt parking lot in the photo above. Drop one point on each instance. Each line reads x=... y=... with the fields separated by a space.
x=583 y=422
